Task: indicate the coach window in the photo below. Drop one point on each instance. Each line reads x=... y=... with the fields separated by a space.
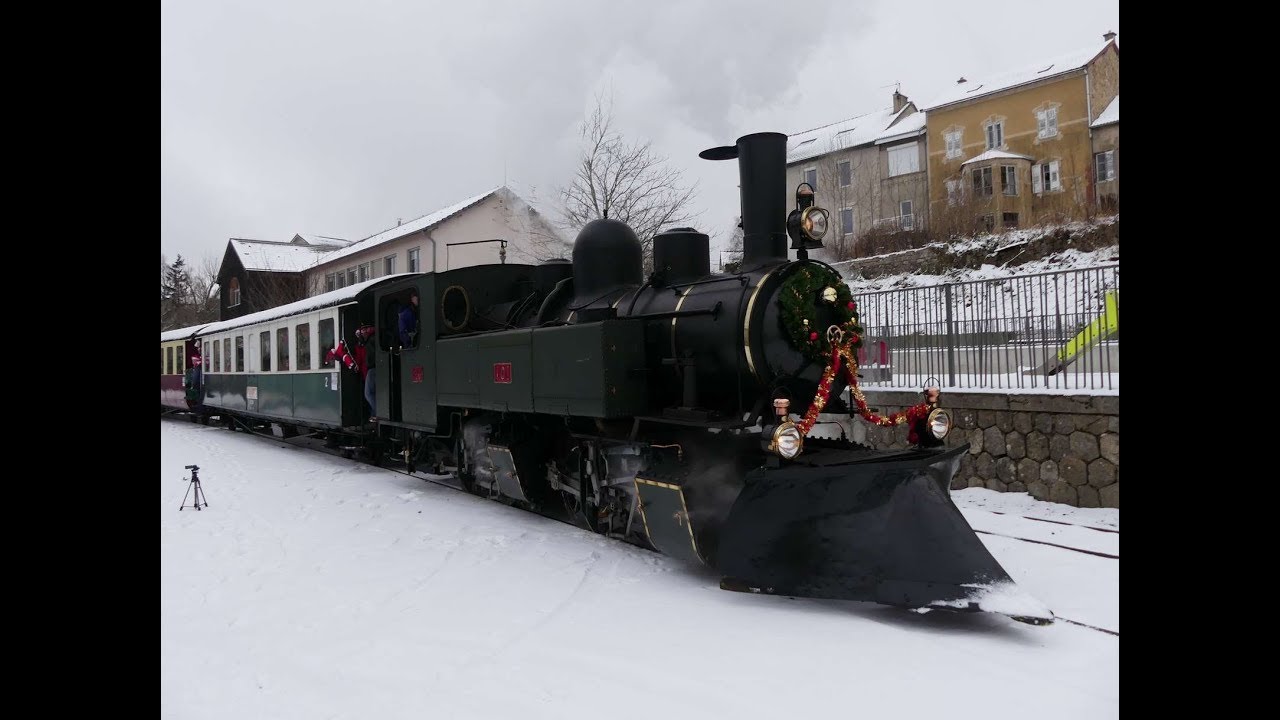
x=264 y=342
x=168 y=361
x=239 y=353
x=302 y=336
x=217 y=358
x=161 y=361
x=326 y=337
x=206 y=358
x=282 y=349
x=226 y=353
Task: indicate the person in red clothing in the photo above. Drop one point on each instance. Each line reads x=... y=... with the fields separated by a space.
x=357 y=358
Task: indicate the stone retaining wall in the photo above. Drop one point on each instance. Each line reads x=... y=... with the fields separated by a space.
x=1061 y=448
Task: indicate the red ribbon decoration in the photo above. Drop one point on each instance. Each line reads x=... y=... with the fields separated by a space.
x=905 y=417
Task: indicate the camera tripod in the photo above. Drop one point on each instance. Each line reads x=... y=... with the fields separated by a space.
x=194 y=484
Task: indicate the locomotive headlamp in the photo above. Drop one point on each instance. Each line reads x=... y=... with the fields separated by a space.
x=807 y=224
x=813 y=222
x=787 y=440
x=939 y=423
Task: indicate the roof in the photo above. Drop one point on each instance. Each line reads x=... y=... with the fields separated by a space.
x=276 y=256
x=1051 y=67
x=860 y=130
x=341 y=296
x=321 y=240
x=1110 y=115
x=426 y=222
x=907 y=127
x=180 y=333
x=995 y=155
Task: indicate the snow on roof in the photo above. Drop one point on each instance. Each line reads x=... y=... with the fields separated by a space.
x=321 y=240
x=860 y=130
x=1110 y=115
x=180 y=333
x=425 y=222
x=908 y=126
x=995 y=155
x=276 y=256
x=1052 y=67
x=341 y=296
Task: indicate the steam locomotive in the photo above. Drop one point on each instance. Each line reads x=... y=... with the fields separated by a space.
x=655 y=410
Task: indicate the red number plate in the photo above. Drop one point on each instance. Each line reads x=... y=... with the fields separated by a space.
x=502 y=373
x=417 y=374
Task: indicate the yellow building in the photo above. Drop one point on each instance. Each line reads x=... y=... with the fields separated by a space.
x=1017 y=148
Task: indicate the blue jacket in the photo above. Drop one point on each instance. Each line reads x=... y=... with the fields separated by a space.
x=408 y=325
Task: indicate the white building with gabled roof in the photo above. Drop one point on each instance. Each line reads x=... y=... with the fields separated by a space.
x=492 y=227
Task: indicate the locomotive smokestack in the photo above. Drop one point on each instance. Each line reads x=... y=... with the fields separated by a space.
x=762 y=170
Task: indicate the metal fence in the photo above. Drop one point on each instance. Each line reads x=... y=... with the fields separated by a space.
x=1056 y=331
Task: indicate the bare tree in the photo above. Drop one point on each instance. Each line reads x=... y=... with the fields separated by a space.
x=625 y=181
x=734 y=250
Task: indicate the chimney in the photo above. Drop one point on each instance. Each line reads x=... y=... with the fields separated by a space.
x=1109 y=36
x=899 y=101
x=961 y=81
x=397 y=222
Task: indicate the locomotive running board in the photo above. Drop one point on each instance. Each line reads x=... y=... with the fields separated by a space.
x=883 y=530
x=666 y=519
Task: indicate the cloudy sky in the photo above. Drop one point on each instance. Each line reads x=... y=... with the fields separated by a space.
x=337 y=118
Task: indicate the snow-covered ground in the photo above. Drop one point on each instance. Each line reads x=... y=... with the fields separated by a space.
x=317 y=587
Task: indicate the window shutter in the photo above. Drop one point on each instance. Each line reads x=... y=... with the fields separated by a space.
x=1054 y=181
x=1035 y=179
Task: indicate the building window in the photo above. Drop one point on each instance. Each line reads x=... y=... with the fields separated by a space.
x=389 y=265
x=413 y=260
x=302 y=335
x=846 y=221
x=1104 y=164
x=955 y=147
x=330 y=283
x=326 y=337
x=982 y=181
x=1047 y=122
x=351 y=276
x=953 y=192
x=1044 y=178
x=264 y=346
x=362 y=273
x=906 y=219
x=811 y=177
x=846 y=174
x=233 y=292
x=995 y=134
x=239 y=353
x=904 y=159
x=1010 y=220
x=282 y=349
x=1009 y=179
